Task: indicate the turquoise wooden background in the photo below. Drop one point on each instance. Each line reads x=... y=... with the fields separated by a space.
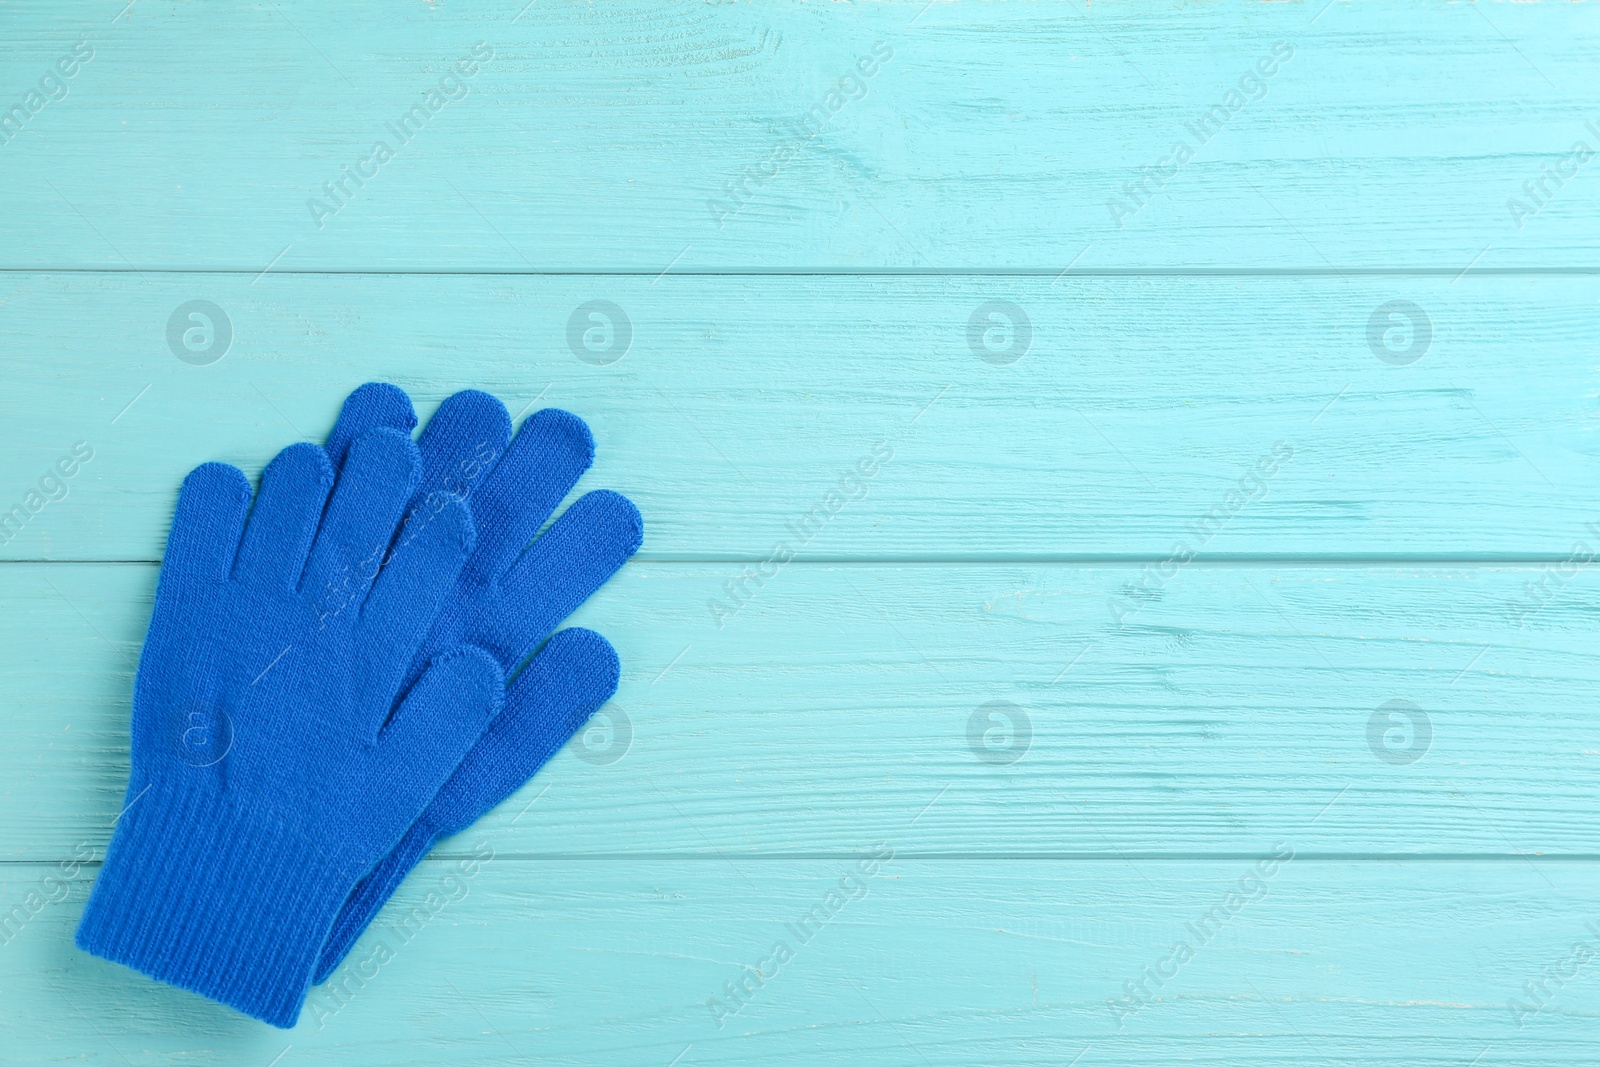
x=1392 y=502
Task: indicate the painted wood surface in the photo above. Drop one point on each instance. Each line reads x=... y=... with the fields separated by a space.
x=846 y=703
x=926 y=962
x=739 y=403
x=642 y=136
x=1345 y=355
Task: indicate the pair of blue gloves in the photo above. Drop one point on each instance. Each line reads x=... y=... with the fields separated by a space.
x=323 y=689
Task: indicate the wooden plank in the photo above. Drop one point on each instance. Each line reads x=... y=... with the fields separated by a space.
x=1140 y=406
x=990 y=660
x=841 y=704
x=927 y=962
x=995 y=135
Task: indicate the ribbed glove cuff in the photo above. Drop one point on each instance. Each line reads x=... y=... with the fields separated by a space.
x=231 y=904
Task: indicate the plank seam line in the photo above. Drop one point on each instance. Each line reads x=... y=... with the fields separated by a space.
x=973 y=857
x=823 y=272
x=1217 y=562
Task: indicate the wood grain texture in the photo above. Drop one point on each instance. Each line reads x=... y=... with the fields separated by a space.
x=933 y=962
x=801 y=257
x=1231 y=708
x=600 y=137
x=1139 y=407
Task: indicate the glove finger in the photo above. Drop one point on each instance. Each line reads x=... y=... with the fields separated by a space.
x=563 y=568
x=368 y=500
x=566 y=682
x=412 y=587
x=372 y=406
x=294 y=489
x=206 y=525
x=442 y=717
x=463 y=439
x=542 y=464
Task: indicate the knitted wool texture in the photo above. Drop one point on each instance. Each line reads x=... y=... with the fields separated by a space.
x=549 y=701
x=270 y=769
x=508 y=599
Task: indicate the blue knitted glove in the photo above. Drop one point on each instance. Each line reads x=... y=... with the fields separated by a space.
x=270 y=768
x=508 y=599
x=547 y=703
x=511 y=594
